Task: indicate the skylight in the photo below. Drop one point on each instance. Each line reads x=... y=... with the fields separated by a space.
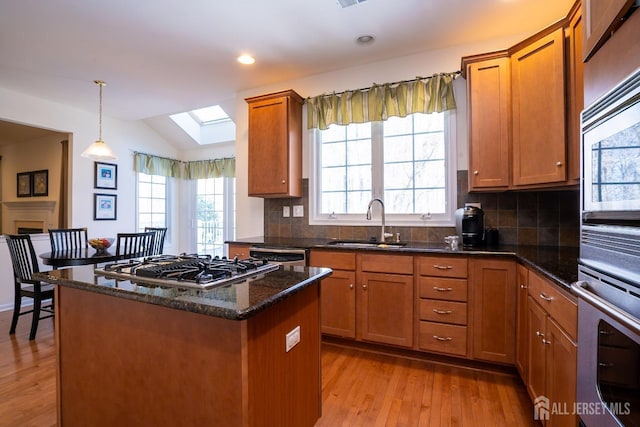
x=210 y=114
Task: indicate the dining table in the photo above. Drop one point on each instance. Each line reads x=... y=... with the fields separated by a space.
x=75 y=257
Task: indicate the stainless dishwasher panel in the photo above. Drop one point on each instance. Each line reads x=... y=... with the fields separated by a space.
x=284 y=256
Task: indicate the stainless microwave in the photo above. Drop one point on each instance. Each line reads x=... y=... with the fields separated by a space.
x=611 y=156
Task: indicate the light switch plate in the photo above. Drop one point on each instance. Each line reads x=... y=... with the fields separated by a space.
x=298 y=211
x=292 y=339
x=286 y=211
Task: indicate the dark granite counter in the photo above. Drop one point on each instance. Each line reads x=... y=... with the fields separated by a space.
x=559 y=264
x=235 y=301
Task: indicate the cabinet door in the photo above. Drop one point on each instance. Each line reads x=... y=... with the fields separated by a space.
x=489 y=115
x=275 y=145
x=536 y=374
x=338 y=304
x=493 y=289
x=602 y=17
x=575 y=95
x=238 y=250
x=538 y=108
x=522 y=348
x=561 y=359
x=386 y=308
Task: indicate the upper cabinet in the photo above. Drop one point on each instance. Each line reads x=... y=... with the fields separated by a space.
x=275 y=145
x=523 y=111
x=539 y=134
x=601 y=18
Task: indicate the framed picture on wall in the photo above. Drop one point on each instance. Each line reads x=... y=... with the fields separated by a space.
x=104 y=207
x=106 y=176
x=40 y=183
x=24 y=184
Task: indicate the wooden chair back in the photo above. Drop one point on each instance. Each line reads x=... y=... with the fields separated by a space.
x=159 y=235
x=63 y=239
x=134 y=245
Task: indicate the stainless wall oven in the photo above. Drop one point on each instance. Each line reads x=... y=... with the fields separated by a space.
x=608 y=286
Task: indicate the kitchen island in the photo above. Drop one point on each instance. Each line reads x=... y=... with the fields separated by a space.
x=133 y=354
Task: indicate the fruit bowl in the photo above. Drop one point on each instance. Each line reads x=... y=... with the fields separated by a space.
x=101 y=243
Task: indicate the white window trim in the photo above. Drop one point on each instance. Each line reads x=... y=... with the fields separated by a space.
x=410 y=220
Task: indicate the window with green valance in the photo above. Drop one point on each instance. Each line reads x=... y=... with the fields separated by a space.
x=202 y=169
x=154 y=165
x=379 y=102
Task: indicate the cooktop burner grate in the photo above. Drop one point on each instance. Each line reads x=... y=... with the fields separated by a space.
x=186 y=270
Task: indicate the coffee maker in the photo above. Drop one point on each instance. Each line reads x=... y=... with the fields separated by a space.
x=470 y=226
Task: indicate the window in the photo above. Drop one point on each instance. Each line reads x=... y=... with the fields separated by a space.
x=215 y=213
x=152 y=201
x=408 y=162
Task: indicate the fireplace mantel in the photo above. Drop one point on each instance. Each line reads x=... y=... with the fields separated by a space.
x=31 y=204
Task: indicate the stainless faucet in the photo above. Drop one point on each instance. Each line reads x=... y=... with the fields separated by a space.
x=383 y=235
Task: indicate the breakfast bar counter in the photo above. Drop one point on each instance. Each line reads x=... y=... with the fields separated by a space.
x=246 y=353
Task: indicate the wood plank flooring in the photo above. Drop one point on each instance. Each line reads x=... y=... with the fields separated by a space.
x=359 y=388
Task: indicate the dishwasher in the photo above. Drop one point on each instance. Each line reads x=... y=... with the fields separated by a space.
x=279 y=255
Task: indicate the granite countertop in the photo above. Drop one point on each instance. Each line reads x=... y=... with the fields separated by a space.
x=235 y=301
x=559 y=264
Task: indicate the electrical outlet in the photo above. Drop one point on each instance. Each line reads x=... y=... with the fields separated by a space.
x=286 y=211
x=298 y=211
x=292 y=339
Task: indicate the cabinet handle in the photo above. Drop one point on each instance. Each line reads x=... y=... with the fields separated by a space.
x=435 y=310
x=442 y=338
x=364 y=287
x=523 y=286
x=606 y=365
x=350 y=285
x=539 y=334
x=545 y=341
x=442 y=267
x=439 y=289
x=558 y=164
x=475 y=172
x=284 y=181
x=544 y=297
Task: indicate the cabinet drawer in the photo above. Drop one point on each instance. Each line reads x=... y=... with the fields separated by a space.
x=337 y=260
x=398 y=264
x=443 y=338
x=443 y=266
x=559 y=306
x=443 y=311
x=443 y=288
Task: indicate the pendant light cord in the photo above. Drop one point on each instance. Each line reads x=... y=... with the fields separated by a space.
x=101 y=84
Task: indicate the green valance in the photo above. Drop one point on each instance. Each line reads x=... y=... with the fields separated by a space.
x=216 y=168
x=154 y=165
x=423 y=95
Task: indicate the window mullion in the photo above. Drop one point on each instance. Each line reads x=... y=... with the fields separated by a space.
x=377 y=159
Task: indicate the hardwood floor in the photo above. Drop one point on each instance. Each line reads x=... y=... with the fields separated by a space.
x=359 y=388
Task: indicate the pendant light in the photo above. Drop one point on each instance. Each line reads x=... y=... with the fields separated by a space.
x=99 y=150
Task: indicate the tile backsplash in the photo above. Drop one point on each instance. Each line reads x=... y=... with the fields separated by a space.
x=546 y=218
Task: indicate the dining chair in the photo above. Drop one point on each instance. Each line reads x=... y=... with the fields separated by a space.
x=25 y=263
x=68 y=238
x=134 y=245
x=159 y=234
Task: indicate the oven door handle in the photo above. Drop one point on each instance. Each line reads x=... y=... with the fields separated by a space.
x=581 y=288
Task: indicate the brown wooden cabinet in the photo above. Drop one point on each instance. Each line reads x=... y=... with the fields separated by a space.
x=442 y=319
x=538 y=107
x=493 y=289
x=489 y=122
x=275 y=145
x=602 y=17
x=523 y=110
x=369 y=297
x=239 y=250
x=522 y=344
x=551 y=335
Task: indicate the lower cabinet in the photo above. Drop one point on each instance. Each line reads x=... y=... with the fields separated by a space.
x=552 y=351
x=369 y=297
x=492 y=283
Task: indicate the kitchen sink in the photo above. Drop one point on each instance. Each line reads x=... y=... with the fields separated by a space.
x=364 y=244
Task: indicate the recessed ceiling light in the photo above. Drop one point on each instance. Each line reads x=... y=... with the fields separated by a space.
x=246 y=59
x=365 y=40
